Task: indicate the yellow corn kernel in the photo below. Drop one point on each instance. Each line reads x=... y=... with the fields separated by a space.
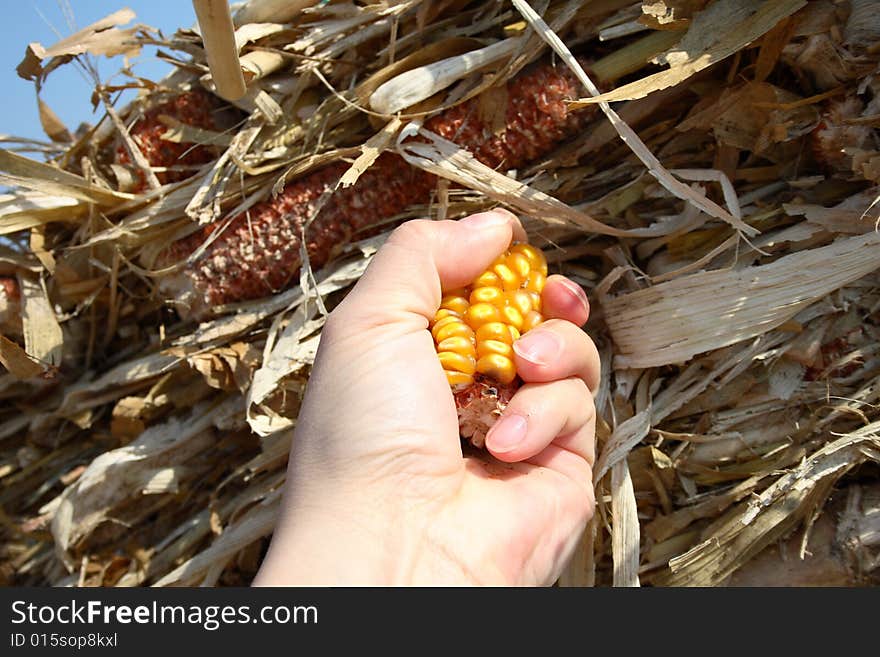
x=452 y=330
x=520 y=300
x=487 y=279
x=519 y=264
x=513 y=317
x=458 y=344
x=452 y=361
x=445 y=321
x=482 y=313
x=536 y=258
x=458 y=378
x=531 y=320
x=455 y=302
x=476 y=326
x=535 y=282
x=486 y=347
x=499 y=368
x=493 y=295
x=494 y=331
x=443 y=312
x=536 y=300
x=509 y=280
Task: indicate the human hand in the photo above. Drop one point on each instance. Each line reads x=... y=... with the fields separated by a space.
x=378 y=492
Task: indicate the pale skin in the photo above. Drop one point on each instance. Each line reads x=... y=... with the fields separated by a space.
x=378 y=491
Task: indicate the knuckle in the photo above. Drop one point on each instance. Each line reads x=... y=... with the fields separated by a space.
x=572 y=333
x=412 y=232
x=555 y=324
x=580 y=391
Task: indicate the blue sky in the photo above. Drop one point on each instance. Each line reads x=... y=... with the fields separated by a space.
x=66 y=91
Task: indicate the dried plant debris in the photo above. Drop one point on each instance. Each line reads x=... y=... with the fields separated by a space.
x=165 y=274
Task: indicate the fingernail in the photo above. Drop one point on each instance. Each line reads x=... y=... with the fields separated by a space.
x=578 y=292
x=489 y=219
x=508 y=432
x=539 y=347
x=505 y=212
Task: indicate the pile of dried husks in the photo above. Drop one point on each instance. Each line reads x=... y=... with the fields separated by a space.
x=718 y=199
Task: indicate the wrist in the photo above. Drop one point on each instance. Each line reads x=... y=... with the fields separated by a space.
x=326 y=546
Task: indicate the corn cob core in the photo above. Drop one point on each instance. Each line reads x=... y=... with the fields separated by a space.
x=259 y=252
x=474 y=331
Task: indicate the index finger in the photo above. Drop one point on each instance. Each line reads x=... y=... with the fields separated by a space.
x=420 y=259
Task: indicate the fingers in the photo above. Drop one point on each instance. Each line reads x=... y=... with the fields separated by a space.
x=565 y=299
x=559 y=413
x=557 y=349
x=422 y=257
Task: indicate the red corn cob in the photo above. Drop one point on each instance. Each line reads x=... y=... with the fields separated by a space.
x=258 y=253
x=192 y=108
x=10 y=306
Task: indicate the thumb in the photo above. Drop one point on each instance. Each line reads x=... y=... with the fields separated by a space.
x=420 y=259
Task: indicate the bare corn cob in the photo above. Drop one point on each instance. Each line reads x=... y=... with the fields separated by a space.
x=474 y=331
x=258 y=253
x=193 y=108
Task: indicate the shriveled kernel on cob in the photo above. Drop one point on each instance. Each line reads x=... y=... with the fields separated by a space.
x=259 y=252
x=475 y=328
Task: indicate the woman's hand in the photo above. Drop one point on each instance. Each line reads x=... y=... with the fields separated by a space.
x=378 y=492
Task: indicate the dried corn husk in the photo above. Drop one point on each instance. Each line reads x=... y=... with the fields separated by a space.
x=723 y=221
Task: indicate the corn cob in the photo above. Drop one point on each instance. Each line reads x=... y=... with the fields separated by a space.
x=259 y=252
x=10 y=306
x=193 y=108
x=474 y=331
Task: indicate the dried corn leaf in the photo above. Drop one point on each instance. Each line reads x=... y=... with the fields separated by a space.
x=371 y=149
x=99 y=38
x=256 y=523
x=626 y=133
x=227 y=368
x=43 y=339
x=49 y=180
x=625 y=539
x=445 y=159
x=705 y=44
x=772 y=514
x=17 y=361
x=266 y=11
x=669 y=14
x=127 y=472
x=115 y=382
x=710 y=310
x=53 y=126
